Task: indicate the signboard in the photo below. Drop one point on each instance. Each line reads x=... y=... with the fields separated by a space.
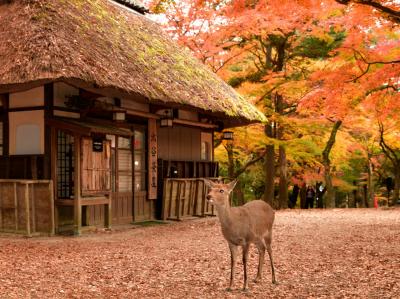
x=97 y=144
x=152 y=141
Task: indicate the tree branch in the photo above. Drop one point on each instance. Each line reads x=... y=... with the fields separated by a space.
x=392 y=13
x=249 y=163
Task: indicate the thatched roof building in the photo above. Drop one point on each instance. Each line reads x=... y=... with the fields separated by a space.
x=98 y=45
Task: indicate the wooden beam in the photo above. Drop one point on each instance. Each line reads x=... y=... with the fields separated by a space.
x=95 y=201
x=77 y=186
x=194 y=124
x=141 y=113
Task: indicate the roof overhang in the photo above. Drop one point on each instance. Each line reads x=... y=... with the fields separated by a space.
x=88 y=127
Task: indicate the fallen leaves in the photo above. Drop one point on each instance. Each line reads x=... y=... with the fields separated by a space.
x=318 y=254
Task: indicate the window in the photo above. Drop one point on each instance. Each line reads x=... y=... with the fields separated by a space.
x=205 y=151
x=140 y=160
x=124 y=164
x=26 y=132
x=28 y=140
x=206 y=146
x=1 y=139
x=65 y=165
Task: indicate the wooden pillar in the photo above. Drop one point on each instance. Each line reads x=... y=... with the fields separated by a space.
x=77 y=186
x=108 y=212
x=52 y=215
x=53 y=182
x=16 y=207
x=27 y=211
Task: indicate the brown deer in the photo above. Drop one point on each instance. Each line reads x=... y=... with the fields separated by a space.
x=241 y=226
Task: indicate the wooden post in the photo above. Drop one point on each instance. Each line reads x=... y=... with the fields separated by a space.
x=164 y=208
x=27 y=212
x=108 y=212
x=16 y=206
x=52 y=210
x=77 y=186
x=203 y=199
x=53 y=182
x=1 y=211
x=178 y=200
x=33 y=208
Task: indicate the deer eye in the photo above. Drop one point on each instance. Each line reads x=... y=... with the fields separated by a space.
x=221 y=190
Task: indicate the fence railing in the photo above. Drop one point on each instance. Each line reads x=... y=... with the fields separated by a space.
x=185 y=198
x=27 y=206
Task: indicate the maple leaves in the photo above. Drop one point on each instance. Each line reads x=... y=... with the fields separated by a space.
x=298 y=60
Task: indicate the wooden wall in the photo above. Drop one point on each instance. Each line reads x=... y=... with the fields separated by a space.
x=26 y=207
x=179 y=143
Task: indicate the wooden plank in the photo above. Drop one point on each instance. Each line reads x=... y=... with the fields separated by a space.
x=94 y=201
x=27 y=212
x=65 y=202
x=164 y=199
x=33 y=208
x=108 y=213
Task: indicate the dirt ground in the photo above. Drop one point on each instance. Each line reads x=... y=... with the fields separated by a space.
x=318 y=254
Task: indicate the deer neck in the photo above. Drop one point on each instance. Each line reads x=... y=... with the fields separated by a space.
x=224 y=215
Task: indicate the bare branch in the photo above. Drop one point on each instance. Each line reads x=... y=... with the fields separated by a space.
x=392 y=13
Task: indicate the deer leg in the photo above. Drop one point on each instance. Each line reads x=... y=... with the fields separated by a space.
x=234 y=250
x=245 y=258
x=261 y=254
x=269 y=249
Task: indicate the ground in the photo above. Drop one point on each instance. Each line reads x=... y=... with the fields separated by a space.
x=318 y=254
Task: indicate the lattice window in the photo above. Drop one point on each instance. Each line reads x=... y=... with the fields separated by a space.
x=65 y=165
x=124 y=164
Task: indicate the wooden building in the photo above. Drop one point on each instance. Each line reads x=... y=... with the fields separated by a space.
x=98 y=109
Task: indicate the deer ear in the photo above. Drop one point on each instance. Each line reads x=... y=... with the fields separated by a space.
x=208 y=183
x=232 y=185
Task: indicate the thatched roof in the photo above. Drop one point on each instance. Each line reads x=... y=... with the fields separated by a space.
x=99 y=45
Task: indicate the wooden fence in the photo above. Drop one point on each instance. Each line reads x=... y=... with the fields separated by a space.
x=27 y=207
x=185 y=198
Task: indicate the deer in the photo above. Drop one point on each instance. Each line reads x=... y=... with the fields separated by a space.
x=241 y=226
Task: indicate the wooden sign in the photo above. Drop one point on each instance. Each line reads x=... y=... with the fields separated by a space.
x=152 y=141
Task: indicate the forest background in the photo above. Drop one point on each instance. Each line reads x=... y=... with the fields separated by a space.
x=327 y=76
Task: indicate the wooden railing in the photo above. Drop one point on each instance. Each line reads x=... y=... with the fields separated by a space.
x=185 y=198
x=27 y=206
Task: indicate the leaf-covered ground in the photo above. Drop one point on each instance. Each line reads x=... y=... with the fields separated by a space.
x=318 y=254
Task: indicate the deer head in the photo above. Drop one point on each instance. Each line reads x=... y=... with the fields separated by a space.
x=218 y=193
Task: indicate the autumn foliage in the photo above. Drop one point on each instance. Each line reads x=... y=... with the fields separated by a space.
x=325 y=73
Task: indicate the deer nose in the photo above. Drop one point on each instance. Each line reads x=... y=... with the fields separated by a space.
x=208 y=197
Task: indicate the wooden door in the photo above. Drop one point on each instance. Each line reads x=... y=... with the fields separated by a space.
x=96 y=167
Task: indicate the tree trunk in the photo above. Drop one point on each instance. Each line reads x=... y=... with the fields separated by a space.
x=330 y=191
x=283 y=182
x=396 y=190
x=231 y=161
x=370 y=183
x=269 y=167
x=303 y=192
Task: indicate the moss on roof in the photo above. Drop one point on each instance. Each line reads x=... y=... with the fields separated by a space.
x=97 y=42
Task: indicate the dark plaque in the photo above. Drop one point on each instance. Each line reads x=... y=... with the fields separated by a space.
x=97 y=145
